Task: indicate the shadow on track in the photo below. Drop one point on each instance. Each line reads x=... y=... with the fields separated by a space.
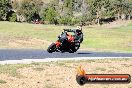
x=84 y=53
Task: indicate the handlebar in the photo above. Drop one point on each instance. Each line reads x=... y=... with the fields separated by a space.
x=69 y=30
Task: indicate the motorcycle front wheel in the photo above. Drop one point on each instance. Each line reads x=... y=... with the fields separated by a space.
x=51 y=48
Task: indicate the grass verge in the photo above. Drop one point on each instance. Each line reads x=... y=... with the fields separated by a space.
x=12 y=69
x=2 y=82
x=62 y=74
x=24 y=35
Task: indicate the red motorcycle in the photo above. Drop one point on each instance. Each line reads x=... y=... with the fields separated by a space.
x=67 y=42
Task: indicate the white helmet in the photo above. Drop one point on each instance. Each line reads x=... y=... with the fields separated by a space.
x=79 y=27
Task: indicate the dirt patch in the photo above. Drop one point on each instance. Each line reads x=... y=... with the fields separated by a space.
x=63 y=74
x=116 y=24
x=22 y=42
x=112 y=25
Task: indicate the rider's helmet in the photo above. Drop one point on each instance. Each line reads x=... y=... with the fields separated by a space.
x=79 y=27
x=79 y=30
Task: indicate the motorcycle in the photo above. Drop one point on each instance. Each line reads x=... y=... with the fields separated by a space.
x=67 y=42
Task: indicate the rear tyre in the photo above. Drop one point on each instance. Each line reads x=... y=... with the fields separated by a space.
x=77 y=46
x=74 y=48
x=51 y=48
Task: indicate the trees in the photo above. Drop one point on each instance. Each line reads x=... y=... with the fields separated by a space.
x=13 y=18
x=15 y=4
x=128 y=8
x=122 y=8
x=50 y=15
x=67 y=11
x=29 y=8
x=4 y=7
x=68 y=20
x=95 y=7
x=68 y=5
x=101 y=9
x=118 y=6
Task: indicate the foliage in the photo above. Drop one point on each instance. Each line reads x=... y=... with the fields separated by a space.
x=68 y=12
x=13 y=17
x=50 y=15
x=15 y=4
x=2 y=82
x=64 y=20
x=30 y=7
x=4 y=5
x=68 y=20
x=69 y=5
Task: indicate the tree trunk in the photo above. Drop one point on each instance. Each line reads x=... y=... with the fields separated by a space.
x=123 y=16
x=129 y=17
x=118 y=16
x=98 y=20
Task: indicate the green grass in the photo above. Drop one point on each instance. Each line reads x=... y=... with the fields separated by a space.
x=12 y=69
x=97 y=39
x=49 y=86
x=101 y=69
x=119 y=39
x=38 y=69
x=2 y=82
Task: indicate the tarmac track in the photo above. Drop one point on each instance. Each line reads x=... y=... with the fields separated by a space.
x=19 y=54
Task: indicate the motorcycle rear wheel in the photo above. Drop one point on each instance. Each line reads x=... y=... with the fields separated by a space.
x=74 y=49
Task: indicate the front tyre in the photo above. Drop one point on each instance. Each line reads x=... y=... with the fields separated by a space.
x=51 y=48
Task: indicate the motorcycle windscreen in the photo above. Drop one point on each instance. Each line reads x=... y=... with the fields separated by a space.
x=63 y=37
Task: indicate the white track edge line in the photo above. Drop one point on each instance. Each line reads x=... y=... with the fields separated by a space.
x=29 y=61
